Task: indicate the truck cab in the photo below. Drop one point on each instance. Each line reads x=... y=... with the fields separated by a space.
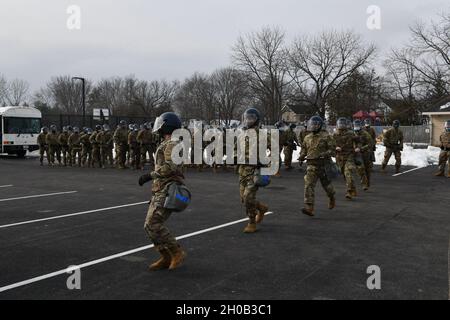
x=19 y=129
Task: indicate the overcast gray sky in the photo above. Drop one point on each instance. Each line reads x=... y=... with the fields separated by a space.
x=172 y=39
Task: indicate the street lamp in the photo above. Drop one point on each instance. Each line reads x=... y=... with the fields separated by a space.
x=83 y=80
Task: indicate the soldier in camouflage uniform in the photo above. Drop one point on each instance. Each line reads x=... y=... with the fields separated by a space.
x=301 y=138
x=75 y=146
x=145 y=139
x=255 y=209
x=86 y=148
x=106 y=142
x=444 y=157
x=43 y=147
x=373 y=134
x=133 y=146
x=317 y=149
x=346 y=144
x=121 y=141
x=290 y=145
x=53 y=146
x=393 y=141
x=95 y=147
x=166 y=172
x=63 y=140
x=364 y=150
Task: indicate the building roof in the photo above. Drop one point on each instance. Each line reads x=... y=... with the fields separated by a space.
x=298 y=109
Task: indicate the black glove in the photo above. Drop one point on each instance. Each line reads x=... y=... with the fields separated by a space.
x=144 y=179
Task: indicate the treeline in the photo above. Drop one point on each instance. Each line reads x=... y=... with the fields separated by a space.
x=331 y=72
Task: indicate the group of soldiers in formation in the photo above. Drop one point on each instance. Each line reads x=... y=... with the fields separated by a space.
x=352 y=144
x=134 y=145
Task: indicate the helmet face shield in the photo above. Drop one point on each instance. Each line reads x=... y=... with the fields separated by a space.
x=341 y=124
x=159 y=122
x=367 y=123
x=249 y=120
x=314 y=125
x=357 y=126
x=447 y=126
x=396 y=124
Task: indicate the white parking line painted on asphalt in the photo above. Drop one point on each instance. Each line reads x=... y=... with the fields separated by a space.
x=7 y=186
x=72 y=215
x=38 y=196
x=109 y=258
x=402 y=173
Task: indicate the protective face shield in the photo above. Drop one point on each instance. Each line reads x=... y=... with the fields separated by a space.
x=167 y=123
x=89 y=131
x=106 y=127
x=44 y=130
x=70 y=129
x=447 y=126
x=315 y=124
x=123 y=124
x=367 y=123
x=396 y=124
x=341 y=124
x=64 y=130
x=76 y=130
x=250 y=118
x=136 y=128
x=357 y=126
x=53 y=128
x=98 y=128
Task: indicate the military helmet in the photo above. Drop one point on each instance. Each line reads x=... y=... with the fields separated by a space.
x=396 y=124
x=367 y=123
x=341 y=123
x=251 y=118
x=447 y=126
x=44 y=129
x=69 y=128
x=53 y=128
x=357 y=125
x=106 y=127
x=315 y=124
x=293 y=126
x=123 y=124
x=76 y=130
x=64 y=129
x=98 y=127
x=167 y=123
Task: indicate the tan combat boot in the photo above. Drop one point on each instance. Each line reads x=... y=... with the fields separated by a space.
x=440 y=174
x=250 y=228
x=308 y=210
x=178 y=255
x=348 y=196
x=262 y=210
x=353 y=193
x=163 y=262
x=332 y=203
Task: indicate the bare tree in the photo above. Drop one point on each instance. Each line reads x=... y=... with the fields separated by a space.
x=3 y=89
x=17 y=92
x=262 y=56
x=67 y=94
x=319 y=65
x=155 y=97
x=107 y=94
x=231 y=92
x=195 y=99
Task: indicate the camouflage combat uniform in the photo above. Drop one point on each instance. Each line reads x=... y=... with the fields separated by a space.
x=121 y=141
x=43 y=147
x=346 y=140
x=105 y=141
x=63 y=140
x=135 y=152
x=146 y=142
x=373 y=134
x=393 y=141
x=95 y=150
x=365 y=144
x=75 y=147
x=247 y=186
x=86 y=150
x=445 y=153
x=53 y=147
x=317 y=150
x=290 y=145
x=166 y=172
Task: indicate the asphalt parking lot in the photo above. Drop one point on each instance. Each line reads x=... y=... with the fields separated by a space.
x=53 y=218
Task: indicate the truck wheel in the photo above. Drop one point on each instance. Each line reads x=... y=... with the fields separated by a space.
x=21 y=154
